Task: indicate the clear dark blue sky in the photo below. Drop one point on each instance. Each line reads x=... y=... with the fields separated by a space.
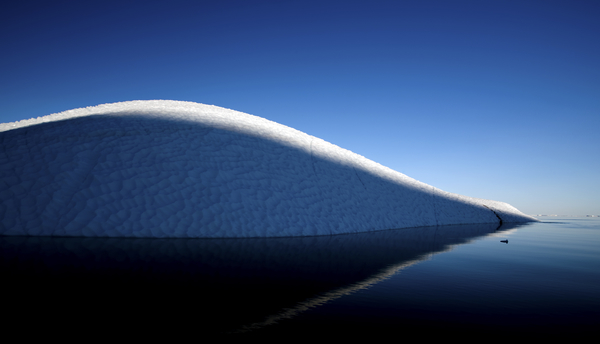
x=491 y=99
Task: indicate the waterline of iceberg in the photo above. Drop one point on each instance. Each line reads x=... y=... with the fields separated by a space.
x=180 y=169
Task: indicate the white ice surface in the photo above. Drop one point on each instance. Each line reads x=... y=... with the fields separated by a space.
x=180 y=169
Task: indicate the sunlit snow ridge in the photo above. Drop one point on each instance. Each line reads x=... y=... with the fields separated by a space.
x=179 y=169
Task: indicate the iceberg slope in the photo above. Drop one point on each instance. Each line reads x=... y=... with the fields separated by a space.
x=179 y=169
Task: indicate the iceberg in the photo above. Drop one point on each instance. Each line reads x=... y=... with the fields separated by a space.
x=173 y=169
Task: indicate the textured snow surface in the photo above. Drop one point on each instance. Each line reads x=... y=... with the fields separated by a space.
x=179 y=169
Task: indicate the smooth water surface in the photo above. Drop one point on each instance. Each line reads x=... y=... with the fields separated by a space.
x=544 y=281
x=462 y=280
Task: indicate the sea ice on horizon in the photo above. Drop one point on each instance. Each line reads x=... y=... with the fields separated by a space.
x=179 y=169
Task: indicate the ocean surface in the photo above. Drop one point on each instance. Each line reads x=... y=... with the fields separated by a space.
x=536 y=279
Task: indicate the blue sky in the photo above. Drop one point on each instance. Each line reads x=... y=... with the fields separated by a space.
x=490 y=99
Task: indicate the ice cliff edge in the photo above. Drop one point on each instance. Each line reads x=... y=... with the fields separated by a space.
x=180 y=169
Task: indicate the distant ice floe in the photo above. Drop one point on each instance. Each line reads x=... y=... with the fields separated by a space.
x=165 y=169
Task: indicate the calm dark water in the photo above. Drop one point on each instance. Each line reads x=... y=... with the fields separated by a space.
x=447 y=280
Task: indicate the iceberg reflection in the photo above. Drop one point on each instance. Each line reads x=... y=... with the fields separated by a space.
x=229 y=285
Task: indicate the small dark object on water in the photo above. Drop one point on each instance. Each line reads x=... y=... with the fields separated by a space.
x=504 y=241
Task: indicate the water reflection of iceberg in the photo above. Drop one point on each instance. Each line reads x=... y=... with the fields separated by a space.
x=229 y=283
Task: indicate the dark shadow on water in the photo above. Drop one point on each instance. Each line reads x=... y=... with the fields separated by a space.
x=216 y=286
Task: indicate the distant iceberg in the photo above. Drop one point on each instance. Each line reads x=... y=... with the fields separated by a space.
x=179 y=169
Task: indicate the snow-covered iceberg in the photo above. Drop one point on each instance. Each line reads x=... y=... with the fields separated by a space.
x=180 y=169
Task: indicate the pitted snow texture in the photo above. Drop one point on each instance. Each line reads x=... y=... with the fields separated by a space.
x=180 y=169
